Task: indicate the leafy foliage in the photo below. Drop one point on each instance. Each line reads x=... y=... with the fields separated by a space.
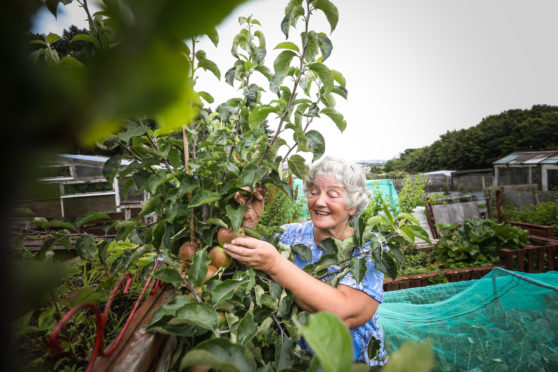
x=544 y=213
x=280 y=209
x=477 y=242
x=412 y=193
x=477 y=147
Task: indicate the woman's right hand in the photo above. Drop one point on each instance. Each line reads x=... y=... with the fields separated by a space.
x=254 y=203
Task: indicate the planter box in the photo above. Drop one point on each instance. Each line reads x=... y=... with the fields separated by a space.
x=534 y=229
x=422 y=280
x=531 y=258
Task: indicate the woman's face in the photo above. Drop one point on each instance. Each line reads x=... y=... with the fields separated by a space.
x=326 y=203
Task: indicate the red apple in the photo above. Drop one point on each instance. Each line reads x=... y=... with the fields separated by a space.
x=225 y=236
x=187 y=251
x=219 y=258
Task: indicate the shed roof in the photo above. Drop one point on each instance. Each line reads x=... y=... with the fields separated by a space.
x=92 y=158
x=529 y=158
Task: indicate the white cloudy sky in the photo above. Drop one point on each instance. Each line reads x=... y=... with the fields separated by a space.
x=414 y=68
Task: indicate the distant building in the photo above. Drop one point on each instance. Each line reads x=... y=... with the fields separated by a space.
x=530 y=167
x=73 y=185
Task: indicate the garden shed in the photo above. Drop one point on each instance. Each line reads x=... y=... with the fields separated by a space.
x=532 y=167
x=73 y=185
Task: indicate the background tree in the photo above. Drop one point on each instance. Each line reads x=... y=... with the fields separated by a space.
x=477 y=147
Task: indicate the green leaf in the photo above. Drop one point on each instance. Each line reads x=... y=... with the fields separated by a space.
x=283 y=353
x=283 y=61
x=287 y=45
x=207 y=64
x=235 y=215
x=197 y=313
x=264 y=71
x=316 y=142
x=52 y=38
x=80 y=221
x=151 y=205
x=407 y=234
x=418 y=355
x=247 y=329
x=339 y=90
x=303 y=251
x=338 y=77
x=88 y=38
x=111 y=167
x=298 y=166
x=23 y=212
x=325 y=46
x=419 y=232
x=213 y=35
x=258 y=115
x=155 y=180
x=224 y=291
x=326 y=333
x=58 y=224
x=206 y=96
x=175 y=157
x=197 y=272
x=220 y=354
x=408 y=216
x=337 y=118
x=168 y=275
x=71 y=62
x=86 y=247
x=330 y=11
x=276 y=81
x=178 y=112
x=217 y=222
x=251 y=175
x=325 y=75
x=357 y=267
x=52 y=6
x=204 y=197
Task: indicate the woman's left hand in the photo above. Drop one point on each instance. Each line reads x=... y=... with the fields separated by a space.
x=254 y=253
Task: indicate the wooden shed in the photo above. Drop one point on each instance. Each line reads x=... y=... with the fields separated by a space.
x=532 y=167
x=73 y=185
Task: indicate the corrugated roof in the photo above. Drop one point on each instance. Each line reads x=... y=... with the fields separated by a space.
x=529 y=158
x=93 y=158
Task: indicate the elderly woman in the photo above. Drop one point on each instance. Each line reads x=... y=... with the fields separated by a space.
x=336 y=193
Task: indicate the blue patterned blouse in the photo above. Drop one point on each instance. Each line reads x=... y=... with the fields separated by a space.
x=372 y=284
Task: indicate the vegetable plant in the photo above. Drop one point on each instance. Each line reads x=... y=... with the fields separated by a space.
x=477 y=242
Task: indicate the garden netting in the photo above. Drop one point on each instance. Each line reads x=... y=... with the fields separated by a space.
x=506 y=321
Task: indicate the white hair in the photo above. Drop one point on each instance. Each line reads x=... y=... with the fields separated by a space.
x=348 y=174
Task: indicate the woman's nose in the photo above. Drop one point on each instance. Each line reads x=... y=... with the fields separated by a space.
x=321 y=199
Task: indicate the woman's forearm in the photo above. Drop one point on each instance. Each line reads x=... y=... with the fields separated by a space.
x=313 y=295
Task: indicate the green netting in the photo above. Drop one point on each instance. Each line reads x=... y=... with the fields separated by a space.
x=385 y=186
x=506 y=321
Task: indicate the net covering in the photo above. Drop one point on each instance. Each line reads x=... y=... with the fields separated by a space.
x=506 y=321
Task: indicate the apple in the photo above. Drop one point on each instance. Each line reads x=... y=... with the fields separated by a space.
x=222 y=318
x=225 y=236
x=211 y=270
x=219 y=258
x=187 y=251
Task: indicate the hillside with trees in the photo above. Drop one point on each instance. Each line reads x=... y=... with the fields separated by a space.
x=477 y=147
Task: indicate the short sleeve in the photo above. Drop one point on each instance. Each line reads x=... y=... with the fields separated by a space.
x=372 y=284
